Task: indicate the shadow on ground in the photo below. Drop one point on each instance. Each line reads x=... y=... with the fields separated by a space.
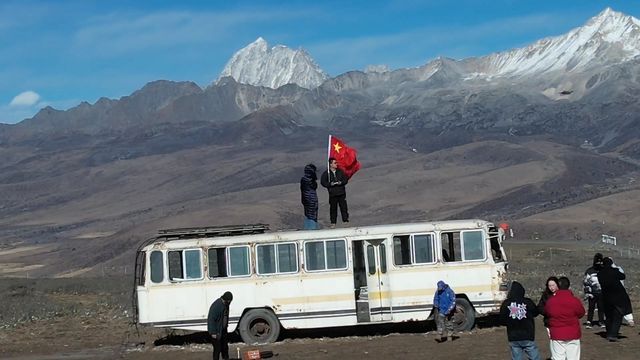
x=411 y=327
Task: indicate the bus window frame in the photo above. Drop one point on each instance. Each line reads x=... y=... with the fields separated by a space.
x=184 y=265
x=208 y=249
x=412 y=247
x=165 y=269
x=277 y=257
x=483 y=242
x=228 y=259
x=432 y=240
x=324 y=247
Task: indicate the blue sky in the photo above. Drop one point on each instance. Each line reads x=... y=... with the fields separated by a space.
x=60 y=53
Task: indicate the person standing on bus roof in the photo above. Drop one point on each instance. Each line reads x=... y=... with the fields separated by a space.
x=335 y=180
x=308 y=186
x=444 y=301
x=217 y=323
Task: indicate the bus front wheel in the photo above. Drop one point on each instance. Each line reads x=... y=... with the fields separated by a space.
x=259 y=326
x=464 y=317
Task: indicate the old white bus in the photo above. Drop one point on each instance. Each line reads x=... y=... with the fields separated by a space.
x=318 y=278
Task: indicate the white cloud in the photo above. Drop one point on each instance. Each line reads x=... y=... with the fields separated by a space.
x=26 y=98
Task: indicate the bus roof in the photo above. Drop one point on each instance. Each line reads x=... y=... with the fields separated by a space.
x=296 y=235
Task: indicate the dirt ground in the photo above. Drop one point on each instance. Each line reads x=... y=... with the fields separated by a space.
x=82 y=318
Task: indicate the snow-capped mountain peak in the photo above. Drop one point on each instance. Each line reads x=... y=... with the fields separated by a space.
x=257 y=64
x=607 y=38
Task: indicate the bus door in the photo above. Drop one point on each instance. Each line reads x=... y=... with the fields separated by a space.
x=377 y=279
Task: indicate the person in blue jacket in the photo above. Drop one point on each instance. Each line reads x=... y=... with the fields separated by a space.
x=444 y=301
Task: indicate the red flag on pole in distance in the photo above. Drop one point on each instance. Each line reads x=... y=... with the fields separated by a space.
x=344 y=155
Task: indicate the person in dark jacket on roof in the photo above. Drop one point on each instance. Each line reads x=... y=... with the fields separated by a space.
x=335 y=180
x=517 y=313
x=308 y=186
x=217 y=322
x=444 y=301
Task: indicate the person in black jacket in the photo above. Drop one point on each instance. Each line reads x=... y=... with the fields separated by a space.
x=335 y=180
x=615 y=300
x=308 y=186
x=517 y=313
x=217 y=322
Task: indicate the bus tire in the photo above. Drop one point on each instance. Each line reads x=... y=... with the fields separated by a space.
x=259 y=326
x=465 y=317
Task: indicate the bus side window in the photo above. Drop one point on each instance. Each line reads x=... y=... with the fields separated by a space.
x=413 y=249
x=185 y=265
x=217 y=262
x=462 y=246
x=157 y=266
x=238 y=261
x=473 y=244
x=451 y=246
x=280 y=258
x=175 y=265
x=325 y=255
x=402 y=250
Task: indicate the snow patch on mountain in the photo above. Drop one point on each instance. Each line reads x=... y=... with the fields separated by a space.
x=608 y=38
x=259 y=65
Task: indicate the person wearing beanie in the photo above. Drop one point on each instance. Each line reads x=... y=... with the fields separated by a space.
x=217 y=322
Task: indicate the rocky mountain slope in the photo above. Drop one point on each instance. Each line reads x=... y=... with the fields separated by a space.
x=509 y=136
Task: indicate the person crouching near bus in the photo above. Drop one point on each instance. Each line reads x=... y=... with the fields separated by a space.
x=444 y=301
x=217 y=323
x=517 y=313
x=564 y=311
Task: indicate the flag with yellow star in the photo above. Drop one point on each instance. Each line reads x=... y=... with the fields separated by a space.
x=344 y=155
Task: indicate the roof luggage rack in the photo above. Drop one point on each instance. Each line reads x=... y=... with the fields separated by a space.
x=212 y=231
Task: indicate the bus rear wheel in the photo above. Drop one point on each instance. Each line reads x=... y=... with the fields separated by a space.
x=259 y=326
x=465 y=317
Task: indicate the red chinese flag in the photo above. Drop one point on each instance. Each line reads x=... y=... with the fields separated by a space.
x=344 y=155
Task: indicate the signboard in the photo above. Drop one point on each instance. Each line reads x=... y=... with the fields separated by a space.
x=608 y=239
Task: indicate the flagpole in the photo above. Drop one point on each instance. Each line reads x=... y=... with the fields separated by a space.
x=328 y=154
